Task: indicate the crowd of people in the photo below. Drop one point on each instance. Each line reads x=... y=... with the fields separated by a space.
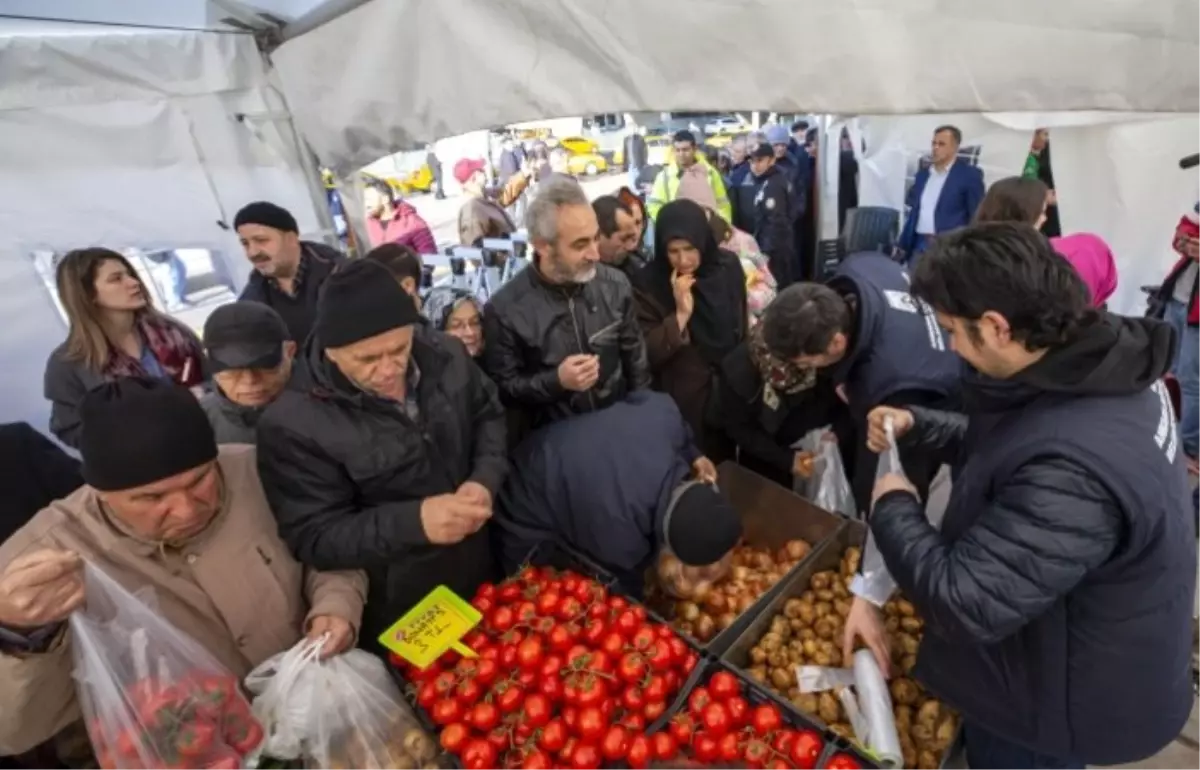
x=341 y=440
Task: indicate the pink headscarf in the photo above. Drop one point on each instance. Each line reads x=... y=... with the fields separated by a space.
x=1093 y=260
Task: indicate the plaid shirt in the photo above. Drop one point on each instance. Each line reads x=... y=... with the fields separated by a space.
x=297 y=280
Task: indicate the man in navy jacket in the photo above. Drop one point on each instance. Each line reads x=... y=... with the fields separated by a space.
x=1058 y=593
x=943 y=197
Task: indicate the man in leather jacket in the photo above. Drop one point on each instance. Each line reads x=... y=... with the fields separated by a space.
x=562 y=336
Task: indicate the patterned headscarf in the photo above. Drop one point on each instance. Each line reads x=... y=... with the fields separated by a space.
x=441 y=301
x=779 y=375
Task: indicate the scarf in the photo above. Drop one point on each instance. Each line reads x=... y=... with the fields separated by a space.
x=177 y=352
x=778 y=375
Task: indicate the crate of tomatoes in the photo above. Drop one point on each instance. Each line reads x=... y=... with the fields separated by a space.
x=569 y=673
x=727 y=720
x=714 y=605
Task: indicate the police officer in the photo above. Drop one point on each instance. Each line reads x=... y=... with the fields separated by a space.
x=882 y=346
x=772 y=220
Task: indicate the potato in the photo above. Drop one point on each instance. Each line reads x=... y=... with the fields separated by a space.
x=905 y=608
x=922 y=736
x=807 y=633
x=716 y=602
x=828 y=647
x=797 y=625
x=687 y=611
x=791 y=608
x=842 y=729
x=908 y=663
x=927 y=760
x=943 y=736
x=851 y=559
x=725 y=620
x=808 y=613
x=928 y=714
x=758 y=674
x=758 y=656
x=808 y=597
x=824 y=595
x=810 y=647
x=782 y=678
x=822 y=609
x=912 y=625
x=823 y=658
x=806 y=702
x=780 y=626
x=821 y=580
x=892 y=624
x=890 y=609
x=908 y=749
x=706 y=627
x=745 y=602
x=908 y=643
x=828 y=708
x=842 y=607
x=904 y=717
x=904 y=691
x=686 y=628
x=778 y=659
x=841 y=590
x=419 y=745
x=771 y=642
x=824 y=628
x=796 y=549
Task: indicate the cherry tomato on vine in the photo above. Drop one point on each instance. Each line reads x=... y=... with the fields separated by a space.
x=553 y=736
x=585 y=757
x=590 y=724
x=698 y=700
x=665 y=746
x=537 y=710
x=766 y=719
x=715 y=719
x=454 y=737
x=739 y=712
x=729 y=748
x=654 y=709
x=682 y=728
x=806 y=749
x=446 y=710
x=483 y=716
x=640 y=752
x=705 y=748
x=536 y=760
x=479 y=754
x=615 y=743
x=724 y=685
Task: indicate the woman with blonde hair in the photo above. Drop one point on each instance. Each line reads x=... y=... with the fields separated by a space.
x=114 y=331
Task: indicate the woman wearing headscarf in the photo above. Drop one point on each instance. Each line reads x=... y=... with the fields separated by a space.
x=1025 y=199
x=766 y=404
x=455 y=312
x=691 y=306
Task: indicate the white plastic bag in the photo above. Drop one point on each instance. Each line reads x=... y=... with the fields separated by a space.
x=343 y=712
x=874 y=583
x=827 y=486
x=868 y=705
x=151 y=695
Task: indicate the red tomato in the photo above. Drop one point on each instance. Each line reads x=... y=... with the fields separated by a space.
x=715 y=719
x=468 y=692
x=766 y=719
x=627 y=623
x=756 y=753
x=633 y=699
x=537 y=709
x=542 y=626
x=590 y=725
x=806 y=749
x=698 y=700
x=194 y=739
x=656 y=688
x=486 y=671
x=536 y=760
x=483 y=716
x=724 y=685
x=729 y=748
x=784 y=740
x=426 y=695
x=508 y=656
x=529 y=574
x=682 y=728
x=615 y=743
x=547 y=603
x=643 y=639
x=510 y=699
x=632 y=667
x=705 y=748
x=225 y=760
x=553 y=736
x=454 y=737
x=665 y=746
x=679 y=648
x=569 y=608
x=593 y=632
x=613 y=644
x=551 y=665
x=483 y=604
x=500 y=739
x=445 y=711
x=585 y=757
x=527 y=679
x=689 y=662
x=529 y=653
x=653 y=710
x=780 y=764
x=551 y=687
x=560 y=638
x=486 y=591
x=660 y=656
x=242 y=733
x=444 y=683
x=640 y=752
x=479 y=754
x=617 y=603
x=843 y=762
x=739 y=712
x=502 y=618
x=508 y=592
x=570 y=715
x=672 y=680
x=588 y=691
x=635 y=722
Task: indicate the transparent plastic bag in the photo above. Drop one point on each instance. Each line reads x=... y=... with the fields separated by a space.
x=874 y=583
x=827 y=486
x=151 y=695
x=865 y=697
x=684 y=582
x=342 y=712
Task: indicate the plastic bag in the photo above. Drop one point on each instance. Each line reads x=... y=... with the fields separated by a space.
x=827 y=487
x=150 y=694
x=343 y=712
x=685 y=582
x=868 y=706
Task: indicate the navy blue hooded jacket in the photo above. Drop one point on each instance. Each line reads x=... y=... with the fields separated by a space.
x=600 y=482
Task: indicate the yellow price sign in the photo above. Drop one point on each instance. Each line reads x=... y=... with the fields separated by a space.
x=436 y=624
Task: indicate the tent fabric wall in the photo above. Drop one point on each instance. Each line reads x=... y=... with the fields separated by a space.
x=387 y=76
x=125 y=138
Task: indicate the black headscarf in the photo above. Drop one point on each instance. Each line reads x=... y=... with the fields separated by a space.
x=717 y=321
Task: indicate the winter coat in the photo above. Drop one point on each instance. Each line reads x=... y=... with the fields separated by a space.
x=34 y=472
x=299 y=312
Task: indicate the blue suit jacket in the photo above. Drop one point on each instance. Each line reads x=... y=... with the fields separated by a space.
x=956 y=206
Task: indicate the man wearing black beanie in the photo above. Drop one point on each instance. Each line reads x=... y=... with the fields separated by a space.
x=288 y=272
x=391 y=461
x=162 y=509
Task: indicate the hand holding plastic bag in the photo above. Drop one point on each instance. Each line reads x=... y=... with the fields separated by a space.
x=868 y=706
x=874 y=583
x=150 y=694
x=827 y=486
x=342 y=712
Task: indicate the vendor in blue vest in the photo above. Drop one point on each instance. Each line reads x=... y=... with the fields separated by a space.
x=1058 y=595
x=617 y=485
x=881 y=346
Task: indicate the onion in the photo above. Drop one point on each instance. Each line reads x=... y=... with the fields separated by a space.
x=797 y=549
x=705 y=627
x=739 y=573
x=687 y=611
x=700 y=590
x=716 y=603
x=744 y=603
x=725 y=620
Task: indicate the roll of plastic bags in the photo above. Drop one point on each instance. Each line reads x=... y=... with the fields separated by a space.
x=875 y=702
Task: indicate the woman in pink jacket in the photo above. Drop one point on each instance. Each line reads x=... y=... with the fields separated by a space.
x=391 y=220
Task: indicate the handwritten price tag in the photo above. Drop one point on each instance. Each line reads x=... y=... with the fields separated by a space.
x=435 y=625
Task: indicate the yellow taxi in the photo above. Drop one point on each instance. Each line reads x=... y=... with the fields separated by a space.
x=578 y=145
x=587 y=164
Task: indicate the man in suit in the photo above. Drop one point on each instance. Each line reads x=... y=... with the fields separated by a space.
x=943 y=197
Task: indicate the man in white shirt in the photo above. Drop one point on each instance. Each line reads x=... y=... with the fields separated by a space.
x=943 y=197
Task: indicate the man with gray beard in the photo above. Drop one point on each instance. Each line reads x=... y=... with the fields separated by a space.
x=562 y=336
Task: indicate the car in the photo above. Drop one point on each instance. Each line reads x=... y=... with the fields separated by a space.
x=578 y=145
x=586 y=164
x=726 y=124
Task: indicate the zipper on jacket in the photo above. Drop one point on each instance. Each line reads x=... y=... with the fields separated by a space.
x=579 y=341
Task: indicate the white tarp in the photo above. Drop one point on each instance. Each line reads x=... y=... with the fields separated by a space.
x=392 y=74
x=126 y=138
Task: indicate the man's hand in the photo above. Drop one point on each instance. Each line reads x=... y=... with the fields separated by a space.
x=447 y=519
x=579 y=372
x=474 y=492
x=891 y=482
x=866 y=622
x=704 y=470
x=902 y=422
x=802 y=464
x=340 y=634
x=1191 y=247
x=41 y=588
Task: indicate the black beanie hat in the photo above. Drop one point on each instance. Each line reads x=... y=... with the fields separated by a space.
x=139 y=431
x=360 y=300
x=268 y=215
x=701 y=526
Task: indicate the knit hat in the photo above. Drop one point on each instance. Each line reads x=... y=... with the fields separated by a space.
x=700 y=525
x=268 y=215
x=777 y=134
x=361 y=300
x=140 y=431
x=763 y=150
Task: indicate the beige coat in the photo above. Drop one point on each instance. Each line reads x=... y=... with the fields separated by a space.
x=235 y=589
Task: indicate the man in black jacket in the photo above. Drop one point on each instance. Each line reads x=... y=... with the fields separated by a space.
x=1058 y=594
x=390 y=462
x=561 y=336
x=288 y=272
x=772 y=218
x=34 y=472
x=617 y=486
x=619 y=241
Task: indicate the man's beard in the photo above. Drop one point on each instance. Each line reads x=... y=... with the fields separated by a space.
x=559 y=273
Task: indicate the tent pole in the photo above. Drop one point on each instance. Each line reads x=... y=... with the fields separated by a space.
x=324 y=14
